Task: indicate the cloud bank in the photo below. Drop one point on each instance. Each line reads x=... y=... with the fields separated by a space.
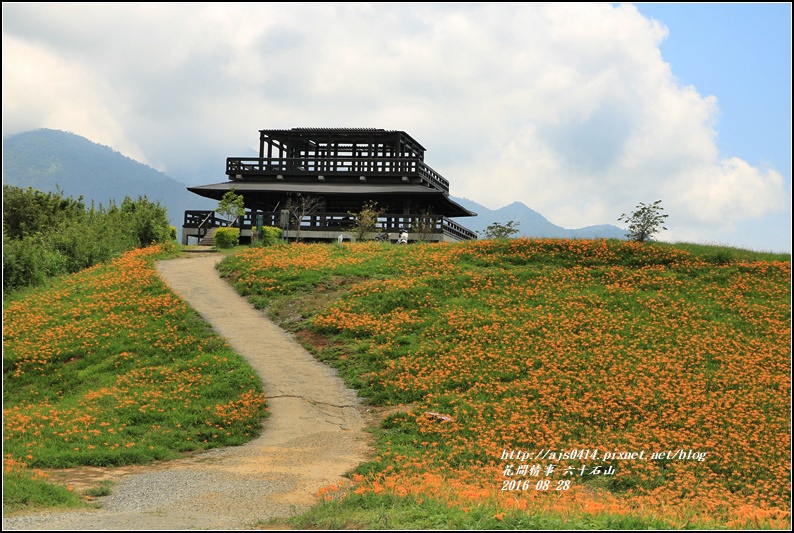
x=568 y=108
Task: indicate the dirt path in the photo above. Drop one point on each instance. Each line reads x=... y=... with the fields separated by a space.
x=312 y=437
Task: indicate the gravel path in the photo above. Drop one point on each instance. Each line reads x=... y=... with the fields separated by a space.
x=312 y=437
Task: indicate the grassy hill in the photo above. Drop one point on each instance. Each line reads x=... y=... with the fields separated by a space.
x=109 y=367
x=524 y=383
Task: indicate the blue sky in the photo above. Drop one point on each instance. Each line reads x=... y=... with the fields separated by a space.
x=740 y=52
x=579 y=110
x=740 y=56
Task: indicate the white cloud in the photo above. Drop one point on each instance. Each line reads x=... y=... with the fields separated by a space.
x=568 y=108
x=50 y=91
x=729 y=192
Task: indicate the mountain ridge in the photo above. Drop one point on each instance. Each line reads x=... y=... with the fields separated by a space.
x=51 y=160
x=530 y=223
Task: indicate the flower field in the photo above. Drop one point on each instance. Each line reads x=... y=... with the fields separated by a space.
x=578 y=378
x=108 y=367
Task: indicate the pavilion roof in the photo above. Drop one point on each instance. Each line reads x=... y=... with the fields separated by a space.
x=217 y=190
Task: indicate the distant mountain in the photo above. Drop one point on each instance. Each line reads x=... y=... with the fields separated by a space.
x=530 y=223
x=48 y=160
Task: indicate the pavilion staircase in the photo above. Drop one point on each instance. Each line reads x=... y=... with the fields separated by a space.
x=209 y=238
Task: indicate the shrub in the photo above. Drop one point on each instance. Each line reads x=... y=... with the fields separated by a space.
x=30 y=262
x=146 y=220
x=28 y=211
x=271 y=235
x=47 y=235
x=227 y=237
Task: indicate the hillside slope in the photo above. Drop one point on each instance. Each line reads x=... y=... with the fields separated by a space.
x=48 y=160
x=667 y=372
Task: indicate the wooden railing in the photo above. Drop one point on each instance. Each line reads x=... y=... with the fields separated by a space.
x=416 y=225
x=330 y=166
x=204 y=220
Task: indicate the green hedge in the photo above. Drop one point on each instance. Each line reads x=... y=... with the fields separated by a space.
x=227 y=237
x=270 y=235
x=266 y=236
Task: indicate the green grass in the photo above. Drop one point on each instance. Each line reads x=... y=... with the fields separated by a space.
x=525 y=344
x=409 y=513
x=102 y=489
x=108 y=367
x=721 y=254
x=24 y=490
x=529 y=344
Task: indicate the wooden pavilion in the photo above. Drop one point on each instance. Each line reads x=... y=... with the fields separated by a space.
x=342 y=169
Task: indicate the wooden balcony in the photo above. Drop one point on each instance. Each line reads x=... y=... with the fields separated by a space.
x=339 y=168
x=328 y=226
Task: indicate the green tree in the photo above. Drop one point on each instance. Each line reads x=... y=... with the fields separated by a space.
x=644 y=222
x=366 y=220
x=500 y=231
x=231 y=205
